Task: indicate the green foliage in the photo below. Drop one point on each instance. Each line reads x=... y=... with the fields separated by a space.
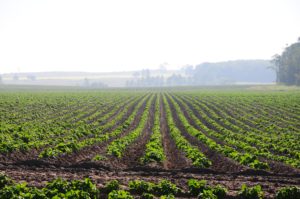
x=55 y=189
x=251 y=192
x=288 y=193
x=62 y=124
x=154 y=150
x=74 y=189
x=112 y=185
x=196 y=186
x=86 y=186
x=99 y=158
x=166 y=187
x=14 y=191
x=220 y=191
x=4 y=180
x=57 y=186
x=170 y=196
x=252 y=161
x=120 y=194
x=256 y=164
x=207 y=194
x=117 y=147
x=200 y=188
x=147 y=196
x=86 y=189
x=198 y=158
x=287 y=65
x=61 y=148
x=247 y=133
x=139 y=186
x=221 y=133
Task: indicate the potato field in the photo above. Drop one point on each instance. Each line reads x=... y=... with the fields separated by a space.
x=156 y=143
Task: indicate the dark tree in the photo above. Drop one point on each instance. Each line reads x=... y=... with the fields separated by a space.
x=287 y=65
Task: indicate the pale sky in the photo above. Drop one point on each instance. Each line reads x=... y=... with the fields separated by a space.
x=101 y=36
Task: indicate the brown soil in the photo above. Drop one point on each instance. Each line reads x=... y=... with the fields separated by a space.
x=219 y=162
x=86 y=154
x=175 y=159
x=36 y=176
x=19 y=157
x=275 y=167
x=131 y=157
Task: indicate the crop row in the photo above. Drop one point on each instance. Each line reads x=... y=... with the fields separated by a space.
x=243 y=158
x=154 y=148
x=192 y=152
x=238 y=139
x=98 y=135
x=87 y=189
x=118 y=146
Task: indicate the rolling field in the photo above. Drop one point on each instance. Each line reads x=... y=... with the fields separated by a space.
x=227 y=138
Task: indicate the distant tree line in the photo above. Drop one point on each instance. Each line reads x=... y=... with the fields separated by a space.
x=287 y=65
x=87 y=83
x=221 y=73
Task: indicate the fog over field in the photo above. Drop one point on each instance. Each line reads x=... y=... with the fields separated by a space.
x=157 y=43
x=157 y=99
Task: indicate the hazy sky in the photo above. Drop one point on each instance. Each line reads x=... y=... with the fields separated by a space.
x=61 y=35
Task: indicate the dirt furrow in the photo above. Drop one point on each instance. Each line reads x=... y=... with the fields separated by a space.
x=175 y=159
x=276 y=167
x=220 y=163
x=131 y=156
x=86 y=154
x=31 y=157
x=39 y=176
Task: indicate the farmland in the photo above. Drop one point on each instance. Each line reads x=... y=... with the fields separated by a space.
x=228 y=137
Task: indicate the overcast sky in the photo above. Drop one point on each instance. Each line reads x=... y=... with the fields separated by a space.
x=61 y=35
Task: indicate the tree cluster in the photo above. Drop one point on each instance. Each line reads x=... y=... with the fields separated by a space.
x=287 y=65
x=220 y=73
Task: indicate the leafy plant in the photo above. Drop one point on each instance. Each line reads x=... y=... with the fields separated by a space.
x=251 y=192
x=198 y=158
x=118 y=146
x=207 y=194
x=147 y=196
x=99 y=158
x=14 y=191
x=139 y=186
x=57 y=186
x=4 y=180
x=166 y=187
x=220 y=191
x=86 y=186
x=200 y=188
x=119 y=194
x=112 y=186
x=196 y=186
x=154 y=149
x=170 y=196
x=288 y=193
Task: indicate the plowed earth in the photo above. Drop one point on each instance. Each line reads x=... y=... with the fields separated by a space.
x=176 y=168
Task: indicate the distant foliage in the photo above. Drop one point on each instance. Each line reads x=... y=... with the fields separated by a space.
x=287 y=65
x=220 y=73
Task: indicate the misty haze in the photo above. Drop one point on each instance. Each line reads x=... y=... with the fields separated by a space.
x=168 y=43
x=152 y=99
